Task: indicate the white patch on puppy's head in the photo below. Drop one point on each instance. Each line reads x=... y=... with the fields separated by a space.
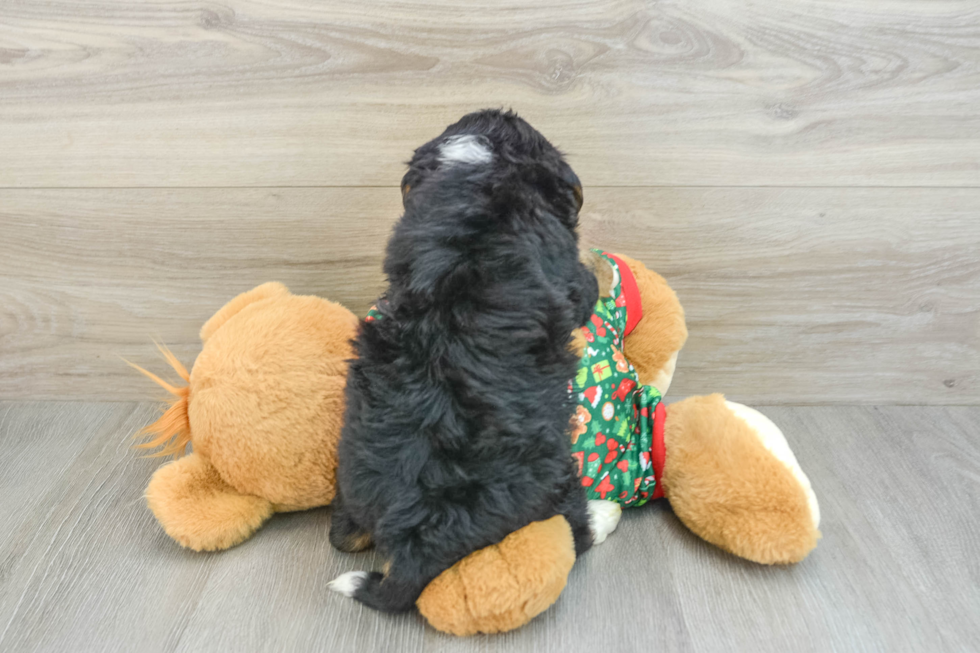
x=464 y=149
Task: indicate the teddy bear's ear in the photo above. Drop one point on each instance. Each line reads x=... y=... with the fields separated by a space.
x=265 y=291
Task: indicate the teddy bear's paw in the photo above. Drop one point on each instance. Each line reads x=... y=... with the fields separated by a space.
x=603 y=519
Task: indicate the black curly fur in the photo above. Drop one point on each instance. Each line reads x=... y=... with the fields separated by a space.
x=457 y=405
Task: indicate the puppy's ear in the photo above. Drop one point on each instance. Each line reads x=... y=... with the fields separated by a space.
x=572 y=180
x=579 y=196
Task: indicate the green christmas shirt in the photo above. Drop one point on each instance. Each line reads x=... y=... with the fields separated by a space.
x=613 y=427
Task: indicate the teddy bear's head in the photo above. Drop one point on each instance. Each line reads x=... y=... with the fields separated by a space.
x=264 y=401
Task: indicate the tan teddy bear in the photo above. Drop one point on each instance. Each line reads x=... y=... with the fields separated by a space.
x=263 y=409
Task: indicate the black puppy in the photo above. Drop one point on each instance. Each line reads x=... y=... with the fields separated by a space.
x=455 y=432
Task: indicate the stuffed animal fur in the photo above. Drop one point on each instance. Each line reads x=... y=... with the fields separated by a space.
x=263 y=408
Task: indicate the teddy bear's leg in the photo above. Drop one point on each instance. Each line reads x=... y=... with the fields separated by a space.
x=199 y=510
x=503 y=586
x=732 y=479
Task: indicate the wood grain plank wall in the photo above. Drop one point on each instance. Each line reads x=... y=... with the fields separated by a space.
x=301 y=92
x=792 y=295
x=806 y=173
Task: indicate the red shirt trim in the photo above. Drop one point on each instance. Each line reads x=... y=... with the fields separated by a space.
x=658 y=452
x=631 y=292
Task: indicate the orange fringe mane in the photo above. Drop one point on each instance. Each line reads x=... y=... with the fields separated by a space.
x=172 y=431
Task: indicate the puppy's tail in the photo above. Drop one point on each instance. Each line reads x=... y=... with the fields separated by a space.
x=172 y=431
x=378 y=591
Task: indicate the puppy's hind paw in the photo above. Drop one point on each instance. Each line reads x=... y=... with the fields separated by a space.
x=348 y=583
x=603 y=519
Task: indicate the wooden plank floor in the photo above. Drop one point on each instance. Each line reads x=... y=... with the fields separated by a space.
x=806 y=173
x=84 y=567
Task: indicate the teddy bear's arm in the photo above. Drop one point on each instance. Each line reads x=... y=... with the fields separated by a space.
x=654 y=343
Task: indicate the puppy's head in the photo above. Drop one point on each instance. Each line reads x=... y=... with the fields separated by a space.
x=490 y=183
x=499 y=156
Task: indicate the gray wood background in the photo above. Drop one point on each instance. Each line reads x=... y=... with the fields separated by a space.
x=806 y=174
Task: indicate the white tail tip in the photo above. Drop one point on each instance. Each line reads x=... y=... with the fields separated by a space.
x=348 y=583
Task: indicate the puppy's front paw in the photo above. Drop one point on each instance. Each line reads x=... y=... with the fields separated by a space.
x=603 y=519
x=348 y=583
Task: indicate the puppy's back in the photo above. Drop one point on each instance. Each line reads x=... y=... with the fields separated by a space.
x=458 y=403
